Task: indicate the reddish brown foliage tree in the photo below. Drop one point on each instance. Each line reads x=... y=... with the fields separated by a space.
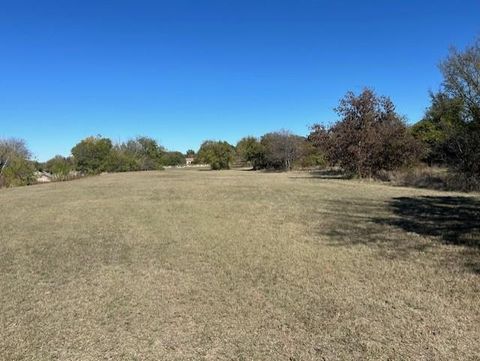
x=369 y=137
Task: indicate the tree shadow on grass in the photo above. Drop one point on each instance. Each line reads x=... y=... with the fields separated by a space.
x=326 y=174
x=455 y=220
x=452 y=220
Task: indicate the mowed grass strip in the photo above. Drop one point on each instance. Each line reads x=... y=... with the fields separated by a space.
x=237 y=265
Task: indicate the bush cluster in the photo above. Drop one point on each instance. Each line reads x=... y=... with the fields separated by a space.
x=94 y=155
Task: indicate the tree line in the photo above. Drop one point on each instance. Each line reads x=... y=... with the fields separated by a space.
x=96 y=154
x=450 y=129
x=368 y=137
x=92 y=155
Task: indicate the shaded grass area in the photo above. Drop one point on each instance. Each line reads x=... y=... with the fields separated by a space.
x=329 y=173
x=454 y=219
x=200 y=265
x=425 y=222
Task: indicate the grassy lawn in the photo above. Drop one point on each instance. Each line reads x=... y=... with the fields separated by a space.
x=237 y=265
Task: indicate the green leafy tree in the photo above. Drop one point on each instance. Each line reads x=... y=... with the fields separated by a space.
x=146 y=151
x=59 y=166
x=92 y=154
x=252 y=151
x=173 y=159
x=141 y=153
x=442 y=119
x=121 y=160
x=311 y=156
x=218 y=154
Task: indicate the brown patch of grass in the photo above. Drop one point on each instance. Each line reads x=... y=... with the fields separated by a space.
x=188 y=265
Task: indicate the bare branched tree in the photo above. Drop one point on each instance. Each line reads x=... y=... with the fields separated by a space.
x=282 y=148
x=10 y=148
x=461 y=72
x=15 y=167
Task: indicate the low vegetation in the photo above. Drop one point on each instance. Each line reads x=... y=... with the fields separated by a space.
x=183 y=265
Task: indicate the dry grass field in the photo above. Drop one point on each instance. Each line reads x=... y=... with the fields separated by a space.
x=237 y=265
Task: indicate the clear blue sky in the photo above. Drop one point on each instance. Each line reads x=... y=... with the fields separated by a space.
x=185 y=71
